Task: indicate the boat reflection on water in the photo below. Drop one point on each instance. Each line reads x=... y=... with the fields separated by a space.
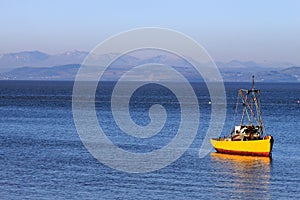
x=244 y=176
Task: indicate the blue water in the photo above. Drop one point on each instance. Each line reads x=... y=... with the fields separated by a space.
x=42 y=157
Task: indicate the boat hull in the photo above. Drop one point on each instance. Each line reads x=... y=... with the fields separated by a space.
x=261 y=147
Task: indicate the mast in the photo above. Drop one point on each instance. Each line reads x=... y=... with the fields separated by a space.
x=256 y=101
x=253 y=83
x=250 y=100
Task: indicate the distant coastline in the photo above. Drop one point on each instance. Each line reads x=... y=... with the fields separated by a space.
x=68 y=73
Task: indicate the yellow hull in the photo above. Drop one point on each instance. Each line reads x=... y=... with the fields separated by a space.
x=261 y=147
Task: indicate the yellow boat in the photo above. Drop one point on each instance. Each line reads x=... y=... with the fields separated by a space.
x=248 y=138
x=261 y=147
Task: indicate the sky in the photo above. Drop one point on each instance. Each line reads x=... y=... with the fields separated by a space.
x=262 y=31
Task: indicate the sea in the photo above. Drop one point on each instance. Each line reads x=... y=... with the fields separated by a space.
x=43 y=157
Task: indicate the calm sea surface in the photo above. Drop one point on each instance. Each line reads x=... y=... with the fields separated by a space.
x=42 y=156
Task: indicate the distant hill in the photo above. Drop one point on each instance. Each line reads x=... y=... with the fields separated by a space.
x=64 y=72
x=11 y=61
x=290 y=74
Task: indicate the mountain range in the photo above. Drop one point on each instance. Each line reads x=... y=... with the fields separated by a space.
x=36 y=65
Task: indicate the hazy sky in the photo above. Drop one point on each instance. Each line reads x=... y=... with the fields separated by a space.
x=246 y=30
